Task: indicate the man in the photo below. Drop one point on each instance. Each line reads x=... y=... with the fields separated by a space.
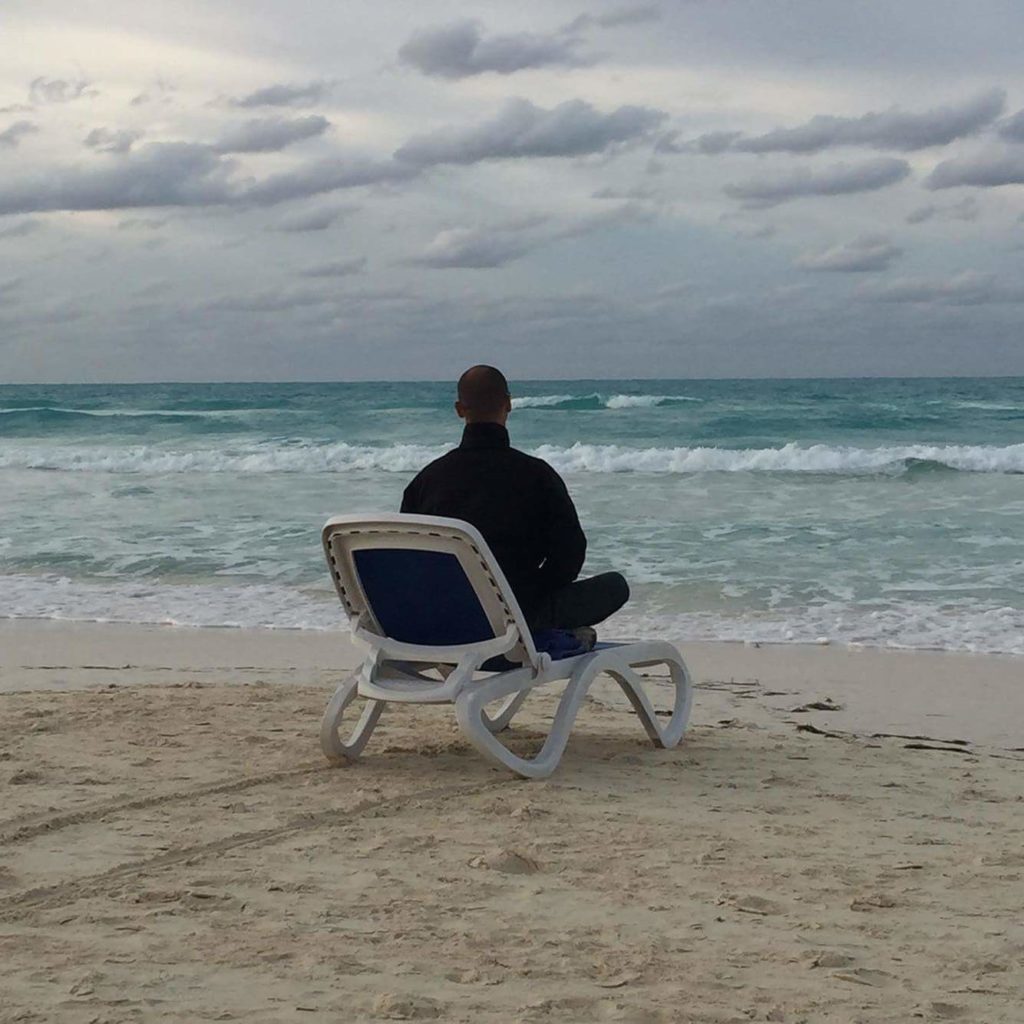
x=522 y=508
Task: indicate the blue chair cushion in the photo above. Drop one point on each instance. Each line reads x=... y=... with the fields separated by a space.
x=559 y=643
x=421 y=597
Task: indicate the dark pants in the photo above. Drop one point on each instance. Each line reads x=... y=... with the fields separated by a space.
x=583 y=603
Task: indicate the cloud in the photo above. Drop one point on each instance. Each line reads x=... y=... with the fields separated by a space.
x=838 y=179
x=160 y=92
x=637 y=192
x=967 y=289
x=890 y=129
x=326 y=175
x=8 y=286
x=159 y=174
x=460 y=50
x=280 y=301
x=315 y=219
x=58 y=90
x=284 y=95
x=341 y=268
x=520 y=129
x=967 y=209
x=625 y=16
x=1012 y=128
x=474 y=248
x=13 y=134
x=20 y=229
x=984 y=170
x=710 y=144
x=183 y=174
x=270 y=134
x=487 y=247
x=866 y=254
x=142 y=223
x=112 y=140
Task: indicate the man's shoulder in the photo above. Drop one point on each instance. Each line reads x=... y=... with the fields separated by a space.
x=439 y=462
x=535 y=464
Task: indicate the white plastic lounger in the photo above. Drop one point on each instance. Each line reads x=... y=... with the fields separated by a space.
x=422 y=593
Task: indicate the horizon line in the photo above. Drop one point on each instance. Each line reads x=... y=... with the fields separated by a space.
x=525 y=380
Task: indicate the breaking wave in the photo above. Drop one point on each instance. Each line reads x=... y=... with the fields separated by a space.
x=307 y=457
x=596 y=401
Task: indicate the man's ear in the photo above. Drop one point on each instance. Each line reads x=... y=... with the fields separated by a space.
x=460 y=410
x=508 y=404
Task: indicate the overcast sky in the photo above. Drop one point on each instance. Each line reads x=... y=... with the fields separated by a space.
x=340 y=189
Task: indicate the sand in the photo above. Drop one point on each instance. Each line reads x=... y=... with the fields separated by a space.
x=173 y=846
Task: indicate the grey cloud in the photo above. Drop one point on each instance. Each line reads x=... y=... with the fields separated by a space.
x=863 y=255
x=160 y=174
x=967 y=209
x=890 y=129
x=21 y=228
x=183 y=174
x=758 y=233
x=112 y=140
x=984 y=170
x=160 y=91
x=280 y=301
x=710 y=144
x=314 y=219
x=460 y=50
x=838 y=179
x=326 y=176
x=58 y=90
x=520 y=129
x=633 y=211
x=478 y=248
x=341 y=268
x=473 y=248
x=144 y=223
x=1013 y=127
x=625 y=16
x=269 y=134
x=13 y=134
x=285 y=95
x=967 y=289
x=637 y=192
x=9 y=285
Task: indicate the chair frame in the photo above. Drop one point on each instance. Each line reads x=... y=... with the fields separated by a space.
x=394 y=671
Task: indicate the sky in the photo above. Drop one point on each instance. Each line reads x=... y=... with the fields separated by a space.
x=395 y=189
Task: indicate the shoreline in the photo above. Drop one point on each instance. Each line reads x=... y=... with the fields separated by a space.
x=945 y=695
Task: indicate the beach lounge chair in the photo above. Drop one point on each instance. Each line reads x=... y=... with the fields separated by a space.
x=422 y=593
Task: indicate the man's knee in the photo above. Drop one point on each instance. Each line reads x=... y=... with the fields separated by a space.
x=617 y=588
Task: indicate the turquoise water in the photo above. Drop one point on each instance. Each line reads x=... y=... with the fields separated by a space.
x=880 y=512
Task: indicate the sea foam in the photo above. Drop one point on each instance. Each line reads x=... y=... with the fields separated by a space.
x=339 y=457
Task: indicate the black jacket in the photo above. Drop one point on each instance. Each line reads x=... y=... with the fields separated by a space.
x=518 y=502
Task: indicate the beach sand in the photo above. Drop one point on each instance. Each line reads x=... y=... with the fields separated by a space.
x=174 y=847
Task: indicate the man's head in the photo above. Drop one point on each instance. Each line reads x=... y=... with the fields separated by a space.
x=483 y=396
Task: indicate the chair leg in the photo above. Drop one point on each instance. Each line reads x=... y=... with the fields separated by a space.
x=629 y=679
x=335 y=749
x=469 y=710
x=479 y=728
x=500 y=721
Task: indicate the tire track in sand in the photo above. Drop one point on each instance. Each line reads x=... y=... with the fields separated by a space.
x=37 y=823
x=20 y=904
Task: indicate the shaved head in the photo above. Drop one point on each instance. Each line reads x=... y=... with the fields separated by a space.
x=483 y=395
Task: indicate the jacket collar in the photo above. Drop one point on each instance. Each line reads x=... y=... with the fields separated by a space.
x=484 y=435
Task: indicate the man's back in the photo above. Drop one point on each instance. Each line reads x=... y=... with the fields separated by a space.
x=518 y=502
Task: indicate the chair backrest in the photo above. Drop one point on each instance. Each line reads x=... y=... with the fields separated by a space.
x=423 y=580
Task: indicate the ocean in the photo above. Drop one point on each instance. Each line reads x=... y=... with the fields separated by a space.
x=885 y=513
